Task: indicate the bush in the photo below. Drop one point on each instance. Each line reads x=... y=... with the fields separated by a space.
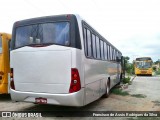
x=158 y=72
x=126 y=79
x=154 y=68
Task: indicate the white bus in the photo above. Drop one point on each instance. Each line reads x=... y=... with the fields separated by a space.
x=61 y=60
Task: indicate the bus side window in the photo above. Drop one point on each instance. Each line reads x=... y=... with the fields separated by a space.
x=111 y=57
x=105 y=51
x=85 y=41
x=102 y=50
x=89 y=44
x=108 y=52
x=113 y=54
x=94 y=45
x=98 y=48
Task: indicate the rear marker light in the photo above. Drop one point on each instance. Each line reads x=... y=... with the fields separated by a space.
x=68 y=17
x=75 y=81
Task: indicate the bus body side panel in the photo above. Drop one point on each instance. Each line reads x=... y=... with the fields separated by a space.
x=119 y=67
x=96 y=73
x=96 y=76
x=113 y=73
x=77 y=62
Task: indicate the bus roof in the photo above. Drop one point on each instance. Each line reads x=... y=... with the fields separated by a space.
x=143 y=58
x=43 y=19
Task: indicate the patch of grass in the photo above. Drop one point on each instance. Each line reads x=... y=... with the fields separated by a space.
x=119 y=92
x=139 y=95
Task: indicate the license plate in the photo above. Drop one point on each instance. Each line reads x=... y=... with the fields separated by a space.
x=41 y=100
x=143 y=71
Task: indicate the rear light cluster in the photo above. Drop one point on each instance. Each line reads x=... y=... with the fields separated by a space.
x=12 y=80
x=75 y=81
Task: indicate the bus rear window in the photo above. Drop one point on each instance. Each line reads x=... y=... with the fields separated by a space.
x=46 y=33
x=0 y=45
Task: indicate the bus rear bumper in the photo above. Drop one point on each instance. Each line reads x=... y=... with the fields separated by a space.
x=146 y=73
x=71 y=99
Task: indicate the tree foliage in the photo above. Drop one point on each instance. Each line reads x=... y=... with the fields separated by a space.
x=129 y=67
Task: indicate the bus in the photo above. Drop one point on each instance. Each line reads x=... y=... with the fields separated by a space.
x=143 y=66
x=4 y=62
x=61 y=60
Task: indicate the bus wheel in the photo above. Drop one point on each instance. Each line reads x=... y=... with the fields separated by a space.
x=107 y=90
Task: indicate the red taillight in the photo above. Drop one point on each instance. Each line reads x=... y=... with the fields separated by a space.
x=75 y=81
x=12 y=84
x=12 y=80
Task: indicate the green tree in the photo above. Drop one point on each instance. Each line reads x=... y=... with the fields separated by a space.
x=154 y=68
x=129 y=67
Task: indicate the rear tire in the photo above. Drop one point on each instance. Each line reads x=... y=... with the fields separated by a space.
x=106 y=95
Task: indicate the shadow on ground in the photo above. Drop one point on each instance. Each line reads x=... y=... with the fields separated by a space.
x=5 y=97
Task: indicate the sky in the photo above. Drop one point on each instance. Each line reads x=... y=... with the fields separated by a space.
x=132 y=26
